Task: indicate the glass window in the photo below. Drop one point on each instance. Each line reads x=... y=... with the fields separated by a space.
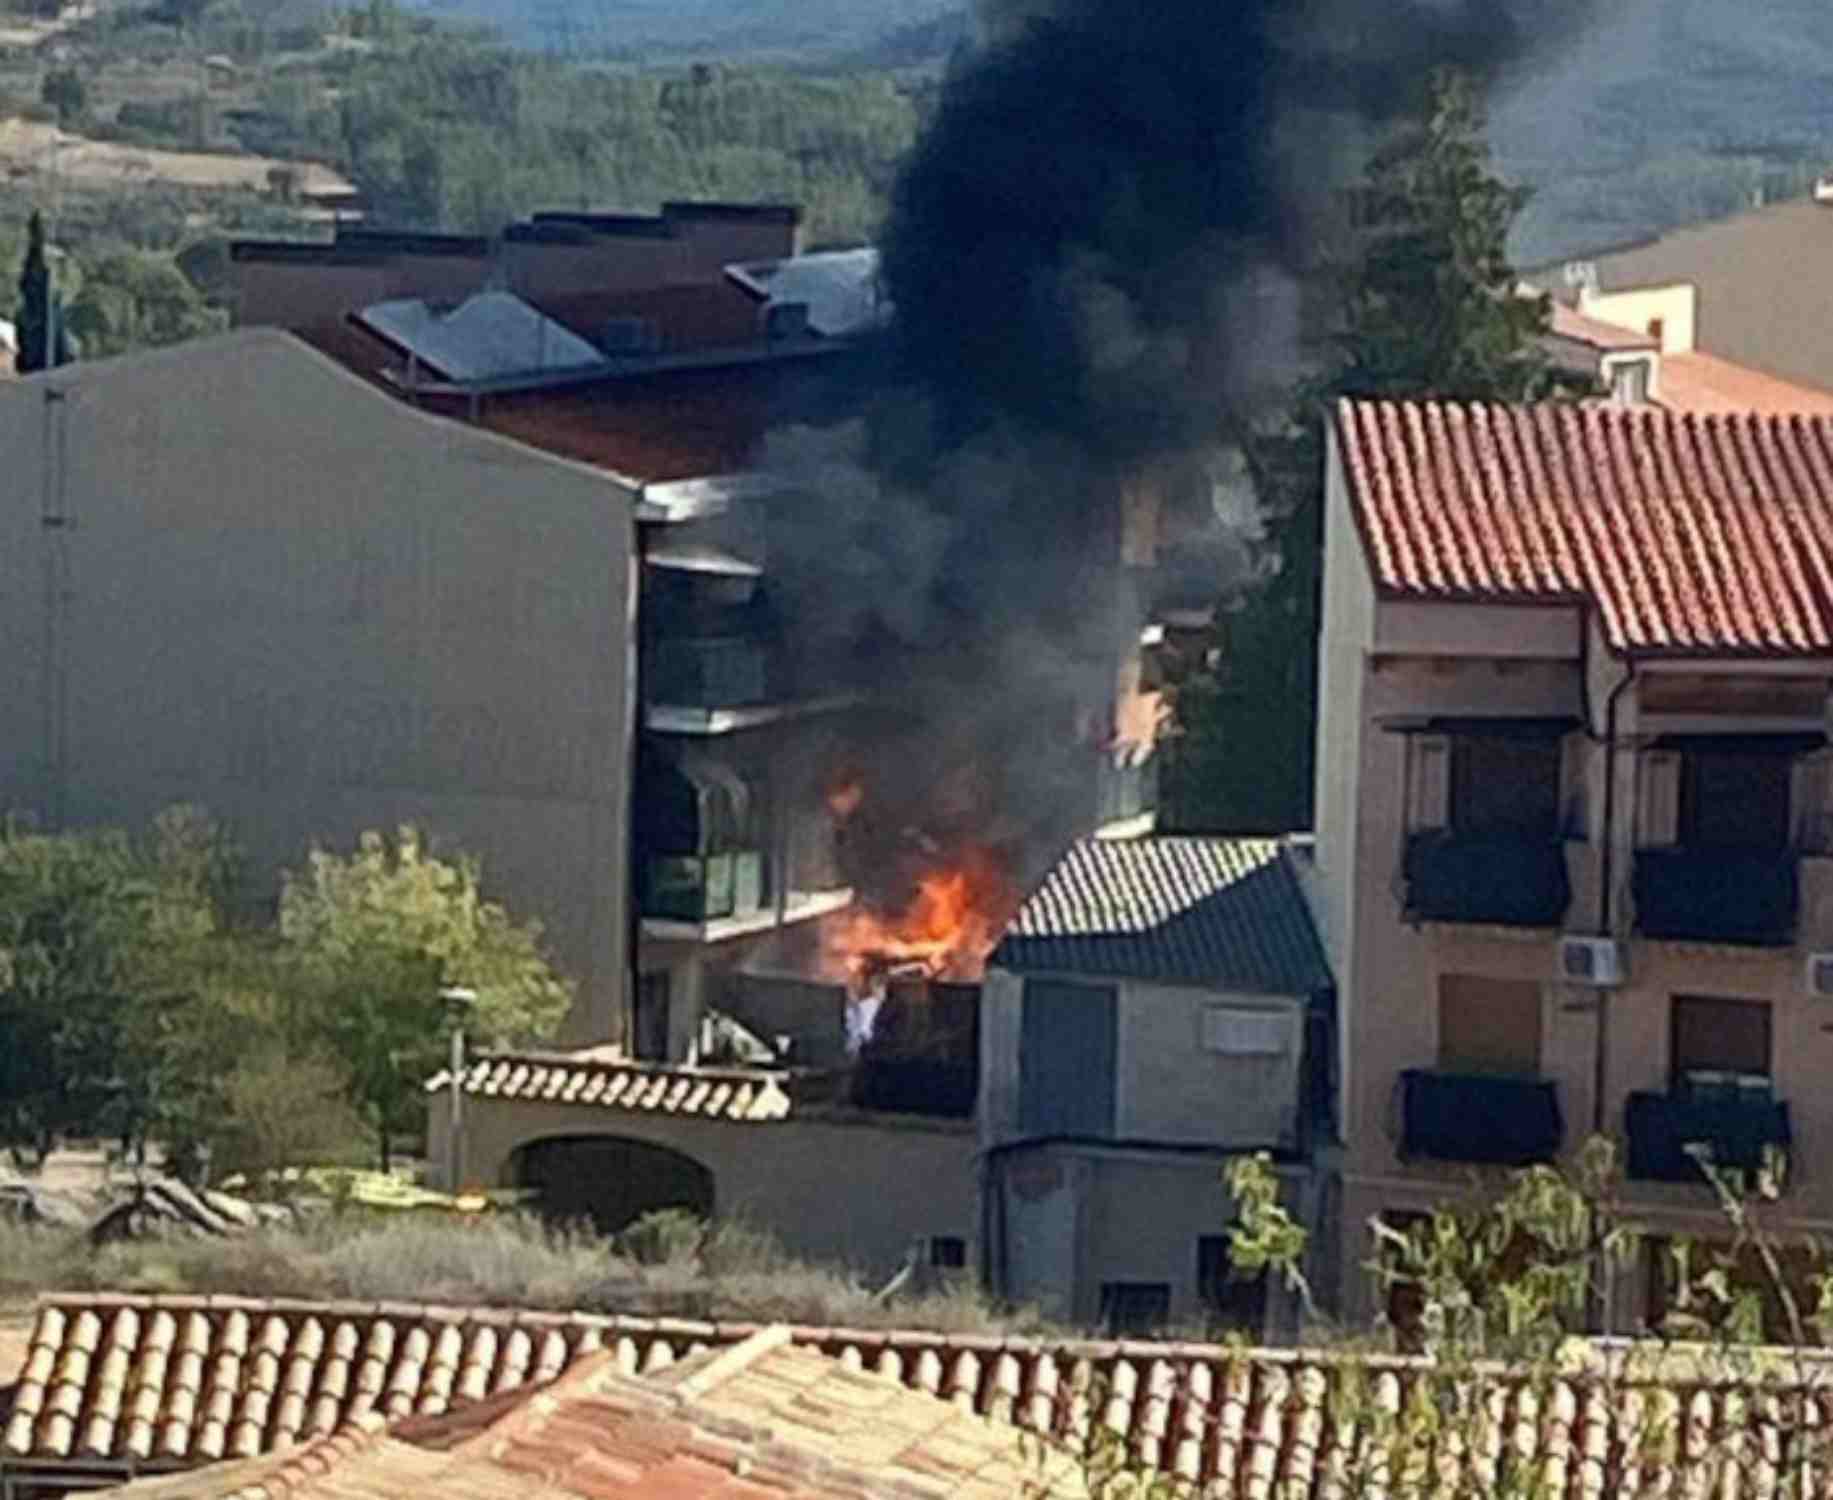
x=1505 y=786
x=1735 y=800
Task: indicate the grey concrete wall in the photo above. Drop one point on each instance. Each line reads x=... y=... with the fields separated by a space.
x=853 y=1193
x=314 y=611
x=1174 y=1092
x=1168 y=1090
x=1076 y=1217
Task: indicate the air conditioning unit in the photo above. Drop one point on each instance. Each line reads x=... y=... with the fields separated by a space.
x=1820 y=975
x=1592 y=960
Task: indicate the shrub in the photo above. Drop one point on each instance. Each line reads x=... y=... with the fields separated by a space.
x=665 y=1236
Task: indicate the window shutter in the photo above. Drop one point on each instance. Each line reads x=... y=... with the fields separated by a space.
x=1812 y=785
x=1429 y=795
x=1658 y=822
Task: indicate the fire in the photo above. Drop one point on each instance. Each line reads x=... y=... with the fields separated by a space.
x=946 y=929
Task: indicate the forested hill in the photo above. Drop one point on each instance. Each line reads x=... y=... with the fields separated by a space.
x=752 y=30
x=1670 y=112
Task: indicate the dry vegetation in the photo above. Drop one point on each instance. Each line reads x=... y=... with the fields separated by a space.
x=732 y=1272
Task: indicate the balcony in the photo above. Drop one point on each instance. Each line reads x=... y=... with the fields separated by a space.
x=698 y=889
x=1126 y=793
x=1737 y=1125
x=1749 y=897
x=1461 y=877
x=1491 y=1119
x=716 y=672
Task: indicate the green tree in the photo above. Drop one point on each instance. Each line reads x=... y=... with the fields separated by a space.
x=1432 y=307
x=135 y=299
x=381 y=938
x=1428 y=307
x=1501 y=1397
x=96 y=934
x=43 y=338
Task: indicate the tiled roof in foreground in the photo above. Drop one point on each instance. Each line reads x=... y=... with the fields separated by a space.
x=227 y=1378
x=614 y=1083
x=1690 y=534
x=758 y=1420
x=1226 y=913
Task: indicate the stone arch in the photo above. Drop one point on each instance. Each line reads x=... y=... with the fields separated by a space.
x=610 y=1180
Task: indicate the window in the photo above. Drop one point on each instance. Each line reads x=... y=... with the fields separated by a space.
x=948 y=1252
x=1656 y=327
x=1505 y=786
x=1232 y=1300
x=1719 y=1041
x=1245 y=1033
x=1488 y=1025
x=1629 y=381
x=1734 y=799
x=1134 y=1308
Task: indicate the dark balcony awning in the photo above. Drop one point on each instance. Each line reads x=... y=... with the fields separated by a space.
x=1744 y=744
x=1493 y=879
x=1748 y=897
x=1491 y=1119
x=1487 y=726
x=1661 y=1128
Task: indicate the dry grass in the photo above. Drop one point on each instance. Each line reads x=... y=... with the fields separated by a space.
x=737 y=1272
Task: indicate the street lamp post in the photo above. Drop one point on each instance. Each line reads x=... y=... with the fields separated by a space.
x=460 y=999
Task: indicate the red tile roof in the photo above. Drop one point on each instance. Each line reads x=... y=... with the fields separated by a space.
x=227 y=1377
x=1690 y=535
x=1699 y=382
x=759 y=1420
x=1595 y=333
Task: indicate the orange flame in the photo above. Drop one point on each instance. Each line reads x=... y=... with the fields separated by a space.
x=948 y=928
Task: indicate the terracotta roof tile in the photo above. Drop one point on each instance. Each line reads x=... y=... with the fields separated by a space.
x=1691 y=535
x=1699 y=382
x=805 y=1415
x=583 y=1078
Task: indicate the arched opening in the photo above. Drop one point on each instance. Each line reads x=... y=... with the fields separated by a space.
x=610 y=1181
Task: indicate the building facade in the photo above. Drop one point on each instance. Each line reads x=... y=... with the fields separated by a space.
x=1158 y=1006
x=1573 y=802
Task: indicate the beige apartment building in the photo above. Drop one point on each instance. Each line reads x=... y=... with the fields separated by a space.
x=1573 y=802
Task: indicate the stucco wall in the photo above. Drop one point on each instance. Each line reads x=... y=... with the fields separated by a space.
x=1760 y=302
x=1078 y=1216
x=1348 y=630
x=1168 y=1089
x=313 y=610
x=857 y=1193
x=1675 y=307
x=1173 y=1091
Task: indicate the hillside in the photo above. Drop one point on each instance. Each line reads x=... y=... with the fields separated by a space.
x=1670 y=112
x=656 y=30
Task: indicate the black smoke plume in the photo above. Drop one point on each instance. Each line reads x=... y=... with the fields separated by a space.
x=1095 y=257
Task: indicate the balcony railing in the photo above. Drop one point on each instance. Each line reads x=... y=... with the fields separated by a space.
x=1473 y=1117
x=1461 y=877
x=1735 y=1126
x=1718 y=895
x=717 y=672
x=708 y=887
x=1124 y=792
